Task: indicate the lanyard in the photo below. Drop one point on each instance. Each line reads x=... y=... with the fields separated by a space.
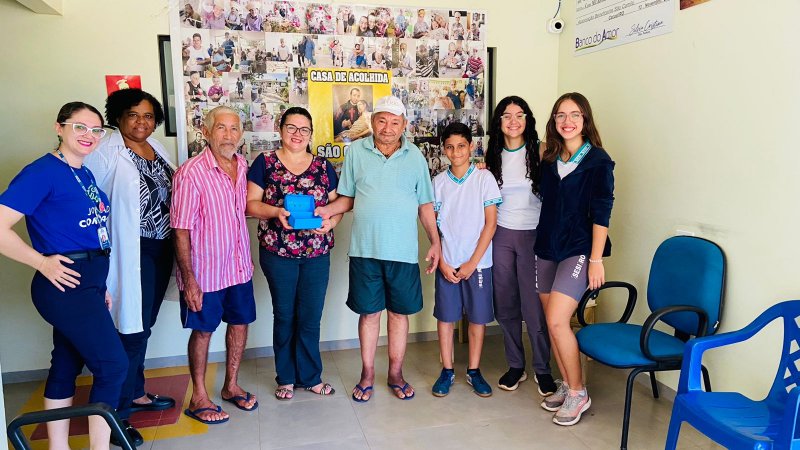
x=580 y=154
x=92 y=194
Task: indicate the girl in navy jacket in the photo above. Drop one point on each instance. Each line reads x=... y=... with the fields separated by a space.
x=577 y=187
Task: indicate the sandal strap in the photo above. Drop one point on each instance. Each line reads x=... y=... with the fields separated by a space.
x=326 y=389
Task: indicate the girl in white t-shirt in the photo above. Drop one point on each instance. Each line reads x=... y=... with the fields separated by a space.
x=513 y=158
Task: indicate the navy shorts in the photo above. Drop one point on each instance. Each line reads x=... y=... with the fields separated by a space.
x=235 y=305
x=472 y=297
x=570 y=276
x=376 y=285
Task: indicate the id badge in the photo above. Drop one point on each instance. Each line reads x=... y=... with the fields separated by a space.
x=102 y=236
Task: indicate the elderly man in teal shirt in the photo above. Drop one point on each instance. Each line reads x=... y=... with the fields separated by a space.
x=385 y=182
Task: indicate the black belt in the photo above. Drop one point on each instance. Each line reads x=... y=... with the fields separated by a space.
x=75 y=256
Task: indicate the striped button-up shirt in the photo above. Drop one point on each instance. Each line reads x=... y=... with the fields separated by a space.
x=211 y=206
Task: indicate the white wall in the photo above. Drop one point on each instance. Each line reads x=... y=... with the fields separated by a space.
x=702 y=125
x=55 y=59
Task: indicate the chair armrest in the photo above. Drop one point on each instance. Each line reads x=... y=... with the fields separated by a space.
x=694 y=349
x=655 y=317
x=593 y=293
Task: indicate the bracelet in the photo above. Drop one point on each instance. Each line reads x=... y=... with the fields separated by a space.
x=44 y=258
x=595 y=260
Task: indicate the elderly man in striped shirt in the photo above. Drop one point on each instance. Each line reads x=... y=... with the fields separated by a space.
x=213 y=252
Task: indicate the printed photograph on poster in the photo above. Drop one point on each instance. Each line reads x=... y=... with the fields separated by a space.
x=341 y=102
x=116 y=82
x=298 y=95
x=432 y=150
x=403 y=57
x=284 y=17
x=457 y=21
x=689 y=3
x=427 y=58
x=350 y=103
x=196 y=143
x=476 y=24
x=263 y=117
x=352 y=106
x=262 y=56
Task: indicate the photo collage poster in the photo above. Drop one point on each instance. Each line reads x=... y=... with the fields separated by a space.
x=262 y=57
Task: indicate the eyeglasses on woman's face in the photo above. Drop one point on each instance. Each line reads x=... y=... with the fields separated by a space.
x=81 y=129
x=573 y=116
x=519 y=117
x=292 y=129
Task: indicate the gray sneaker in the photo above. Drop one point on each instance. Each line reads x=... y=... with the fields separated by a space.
x=572 y=409
x=554 y=401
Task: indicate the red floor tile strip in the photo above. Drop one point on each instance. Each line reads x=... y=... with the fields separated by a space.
x=174 y=386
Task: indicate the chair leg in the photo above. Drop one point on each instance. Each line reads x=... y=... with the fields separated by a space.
x=654 y=384
x=626 y=415
x=706 y=378
x=674 y=431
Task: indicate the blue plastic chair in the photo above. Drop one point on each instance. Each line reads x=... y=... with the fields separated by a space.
x=730 y=418
x=685 y=291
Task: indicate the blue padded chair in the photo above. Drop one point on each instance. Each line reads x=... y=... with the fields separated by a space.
x=685 y=291
x=730 y=418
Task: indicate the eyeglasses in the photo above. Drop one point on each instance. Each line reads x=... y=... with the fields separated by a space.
x=519 y=116
x=81 y=129
x=291 y=129
x=573 y=116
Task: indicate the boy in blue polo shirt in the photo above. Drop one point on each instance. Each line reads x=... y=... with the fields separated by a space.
x=466 y=202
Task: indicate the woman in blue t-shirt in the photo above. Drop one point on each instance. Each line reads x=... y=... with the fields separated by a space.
x=66 y=215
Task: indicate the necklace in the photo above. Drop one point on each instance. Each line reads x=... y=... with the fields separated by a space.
x=390 y=152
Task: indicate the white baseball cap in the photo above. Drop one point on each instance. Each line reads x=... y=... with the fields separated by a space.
x=390 y=104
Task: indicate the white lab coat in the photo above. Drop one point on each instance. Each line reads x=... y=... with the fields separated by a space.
x=118 y=177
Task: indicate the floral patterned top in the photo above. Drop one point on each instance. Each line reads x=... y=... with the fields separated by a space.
x=277 y=181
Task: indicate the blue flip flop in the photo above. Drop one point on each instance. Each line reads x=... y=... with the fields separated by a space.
x=403 y=390
x=363 y=391
x=194 y=414
x=238 y=398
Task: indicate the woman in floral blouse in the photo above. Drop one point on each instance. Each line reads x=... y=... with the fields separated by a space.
x=295 y=262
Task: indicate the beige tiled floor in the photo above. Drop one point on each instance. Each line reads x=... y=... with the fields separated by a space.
x=507 y=420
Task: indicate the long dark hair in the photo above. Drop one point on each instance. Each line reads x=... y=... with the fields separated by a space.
x=494 y=161
x=555 y=143
x=300 y=111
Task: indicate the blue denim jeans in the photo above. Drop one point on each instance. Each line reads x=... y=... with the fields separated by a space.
x=297 y=286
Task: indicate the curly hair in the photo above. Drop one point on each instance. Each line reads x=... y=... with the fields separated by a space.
x=493 y=159
x=124 y=99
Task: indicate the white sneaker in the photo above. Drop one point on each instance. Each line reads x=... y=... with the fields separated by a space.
x=572 y=409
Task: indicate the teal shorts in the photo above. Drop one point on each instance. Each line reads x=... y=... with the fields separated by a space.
x=376 y=285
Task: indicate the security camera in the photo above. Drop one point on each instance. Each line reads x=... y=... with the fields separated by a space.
x=555 y=25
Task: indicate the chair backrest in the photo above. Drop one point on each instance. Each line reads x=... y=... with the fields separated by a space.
x=788 y=375
x=688 y=270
